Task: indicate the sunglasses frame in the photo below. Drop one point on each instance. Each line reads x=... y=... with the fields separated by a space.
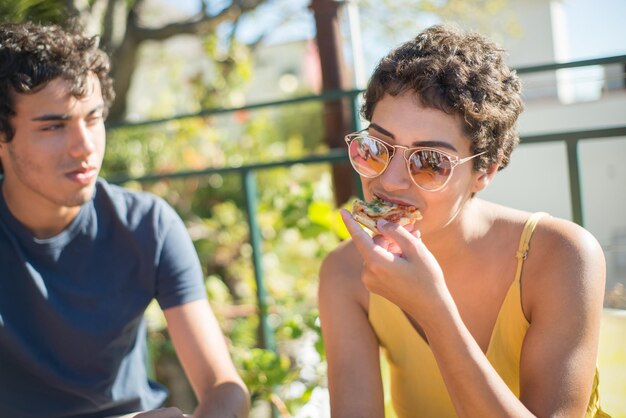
x=454 y=160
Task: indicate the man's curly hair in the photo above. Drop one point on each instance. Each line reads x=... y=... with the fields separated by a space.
x=461 y=74
x=33 y=55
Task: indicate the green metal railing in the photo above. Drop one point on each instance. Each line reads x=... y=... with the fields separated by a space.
x=324 y=97
x=572 y=140
x=247 y=173
x=616 y=59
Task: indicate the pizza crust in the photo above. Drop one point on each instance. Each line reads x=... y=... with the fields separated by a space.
x=368 y=213
x=366 y=221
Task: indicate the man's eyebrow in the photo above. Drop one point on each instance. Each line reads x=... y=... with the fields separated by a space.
x=64 y=116
x=51 y=117
x=430 y=144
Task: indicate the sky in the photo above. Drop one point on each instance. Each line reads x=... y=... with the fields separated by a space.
x=596 y=28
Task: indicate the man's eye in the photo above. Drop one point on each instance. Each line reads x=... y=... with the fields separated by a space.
x=53 y=127
x=93 y=119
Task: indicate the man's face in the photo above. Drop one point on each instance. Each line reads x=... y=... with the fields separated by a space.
x=56 y=153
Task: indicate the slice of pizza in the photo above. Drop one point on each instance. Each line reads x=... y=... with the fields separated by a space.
x=367 y=214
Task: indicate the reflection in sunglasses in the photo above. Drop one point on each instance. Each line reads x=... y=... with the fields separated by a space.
x=432 y=160
x=373 y=156
x=429 y=168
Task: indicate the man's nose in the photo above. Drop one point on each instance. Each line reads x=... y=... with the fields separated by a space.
x=82 y=140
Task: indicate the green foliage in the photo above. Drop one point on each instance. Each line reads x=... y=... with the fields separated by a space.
x=261 y=370
x=402 y=15
x=231 y=69
x=38 y=11
x=297 y=219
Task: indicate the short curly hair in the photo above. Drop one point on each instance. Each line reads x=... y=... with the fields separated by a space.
x=32 y=55
x=461 y=74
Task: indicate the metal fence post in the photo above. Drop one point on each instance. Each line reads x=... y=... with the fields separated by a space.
x=266 y=335
x=575 y=187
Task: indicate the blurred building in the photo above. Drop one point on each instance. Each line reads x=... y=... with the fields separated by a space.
x=284 y=70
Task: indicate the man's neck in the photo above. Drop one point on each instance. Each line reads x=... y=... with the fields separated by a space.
x=42 y=219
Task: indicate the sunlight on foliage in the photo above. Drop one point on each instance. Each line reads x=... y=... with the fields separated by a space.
x=298 y=222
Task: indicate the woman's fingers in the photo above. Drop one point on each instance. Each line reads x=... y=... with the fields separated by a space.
x=386 y=245
x=382 y=241
x=361 y=239
x=404 y=240
x=363 y=242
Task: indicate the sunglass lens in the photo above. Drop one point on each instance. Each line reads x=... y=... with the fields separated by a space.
x=369 y=156
x=429 y=168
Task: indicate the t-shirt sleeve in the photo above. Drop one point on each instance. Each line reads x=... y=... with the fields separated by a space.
x=179 y=276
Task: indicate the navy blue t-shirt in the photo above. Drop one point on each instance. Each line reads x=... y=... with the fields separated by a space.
x=72 y=334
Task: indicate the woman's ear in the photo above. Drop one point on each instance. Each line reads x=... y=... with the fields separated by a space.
x=484 y=177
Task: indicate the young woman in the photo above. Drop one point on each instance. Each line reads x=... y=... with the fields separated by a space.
x=481 y=310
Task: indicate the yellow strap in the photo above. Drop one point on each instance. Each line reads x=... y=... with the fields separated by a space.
x=524 y=243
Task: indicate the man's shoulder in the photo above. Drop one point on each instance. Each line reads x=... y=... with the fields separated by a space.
x=127 y=198
x=132 y=206
x=122 y=194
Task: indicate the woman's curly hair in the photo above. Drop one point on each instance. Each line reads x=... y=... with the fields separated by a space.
x=33 y=55
x=461 y=74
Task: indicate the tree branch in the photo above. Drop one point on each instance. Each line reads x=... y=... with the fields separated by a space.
x=202 y=24
x=115 y=22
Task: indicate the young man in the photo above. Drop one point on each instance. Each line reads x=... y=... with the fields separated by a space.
x=80 y=260
x=477 y=315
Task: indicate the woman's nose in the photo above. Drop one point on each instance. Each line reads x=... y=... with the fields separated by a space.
x=396 y=177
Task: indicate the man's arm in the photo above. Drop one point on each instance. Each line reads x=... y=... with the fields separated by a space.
x=203 y=353
x=193 y=328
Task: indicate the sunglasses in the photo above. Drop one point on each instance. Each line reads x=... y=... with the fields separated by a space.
x=429 y=168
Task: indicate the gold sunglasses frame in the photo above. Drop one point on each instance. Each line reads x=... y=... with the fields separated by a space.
x=454 y=160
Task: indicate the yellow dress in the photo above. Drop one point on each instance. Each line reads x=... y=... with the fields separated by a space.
x=416 y=386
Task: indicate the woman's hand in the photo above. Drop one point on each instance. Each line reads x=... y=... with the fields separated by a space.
x=398 y=266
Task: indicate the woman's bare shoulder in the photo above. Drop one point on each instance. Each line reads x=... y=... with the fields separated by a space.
x=565 y=265
x=342 y=260
x=563 y=243
x=555 y=238
x=340 y=274
x=564 y=268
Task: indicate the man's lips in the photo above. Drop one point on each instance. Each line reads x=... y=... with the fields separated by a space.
x=83 y=175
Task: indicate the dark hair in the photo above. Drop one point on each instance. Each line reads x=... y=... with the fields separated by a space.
x=461 y=74
x=33 y=55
